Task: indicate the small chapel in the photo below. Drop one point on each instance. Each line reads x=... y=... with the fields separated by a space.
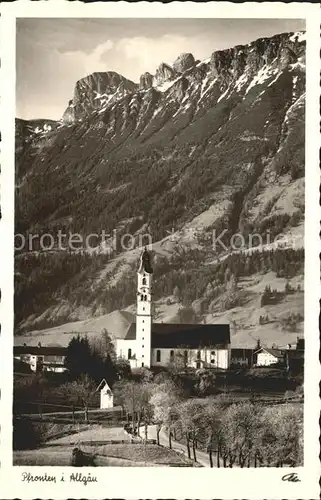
x=148 y=344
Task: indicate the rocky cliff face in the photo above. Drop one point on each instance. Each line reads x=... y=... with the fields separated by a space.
x=96 y=91
x=184 y=62
x=216 y=144
x=146 y=81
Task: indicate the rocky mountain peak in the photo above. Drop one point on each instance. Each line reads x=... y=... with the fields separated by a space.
x=163 y=72
x=146 y=80
x=96 y=90
x=281 y=50
x=183 y=62
x=217 y=145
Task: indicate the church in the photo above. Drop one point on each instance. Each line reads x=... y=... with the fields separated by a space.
x=148 y=344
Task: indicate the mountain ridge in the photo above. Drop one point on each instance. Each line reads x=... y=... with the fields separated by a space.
x=219 y=145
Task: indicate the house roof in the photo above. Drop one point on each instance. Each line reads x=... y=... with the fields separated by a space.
x=171 y=335
x=277 y=353
x=40 y=351
x=102 y=384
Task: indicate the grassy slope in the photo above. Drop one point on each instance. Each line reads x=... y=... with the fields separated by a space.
x=112 y=455
x=246 y=317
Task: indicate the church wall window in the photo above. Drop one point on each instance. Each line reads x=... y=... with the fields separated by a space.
x=144 y=281
x=198 y=354
x=129 y=353
x=158 y=355
x=142 y=297
x=171 y=355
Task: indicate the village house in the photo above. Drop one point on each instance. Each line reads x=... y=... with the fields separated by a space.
x=268 y=357
x=149 y=344
x=42 y=358
x=106 y=395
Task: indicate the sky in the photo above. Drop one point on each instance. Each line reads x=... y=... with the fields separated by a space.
x=52 y=54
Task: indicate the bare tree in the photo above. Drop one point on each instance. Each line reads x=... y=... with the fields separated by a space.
x=80 y=392
x=212 y=420
x=191 y=413
x=163 y=401
x=241 y=431
x=103 y=345
x=127 y=392
x=281 y=440
x=135 y=399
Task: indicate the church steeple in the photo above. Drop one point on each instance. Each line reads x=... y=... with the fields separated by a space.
x=145 y=263
x=144 y=310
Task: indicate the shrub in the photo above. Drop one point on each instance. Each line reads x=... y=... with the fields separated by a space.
x=26 y=434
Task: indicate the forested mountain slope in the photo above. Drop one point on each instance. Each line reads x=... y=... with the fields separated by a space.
x=197 y=147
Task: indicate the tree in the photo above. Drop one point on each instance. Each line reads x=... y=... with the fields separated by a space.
x=206 y=381
x=180 y=361
x=212 y=418
x=122 y=367
x=80 y=392
x=104 y=345
x=127 y=393
x=266 y=296
x=190 y=414
x=177 y=293
x=187 y=315
x=83 y=359
x=241 y=433
x=135 y=399
x=78 y=358
x=145 y=409
x=281 y=441
x=30 y=389
x=163 y=400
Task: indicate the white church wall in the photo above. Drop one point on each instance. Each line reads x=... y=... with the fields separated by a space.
x=209 y=358
x=124 y=348
x=217 y=357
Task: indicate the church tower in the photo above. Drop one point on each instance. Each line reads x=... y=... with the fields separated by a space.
x=144 y=311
